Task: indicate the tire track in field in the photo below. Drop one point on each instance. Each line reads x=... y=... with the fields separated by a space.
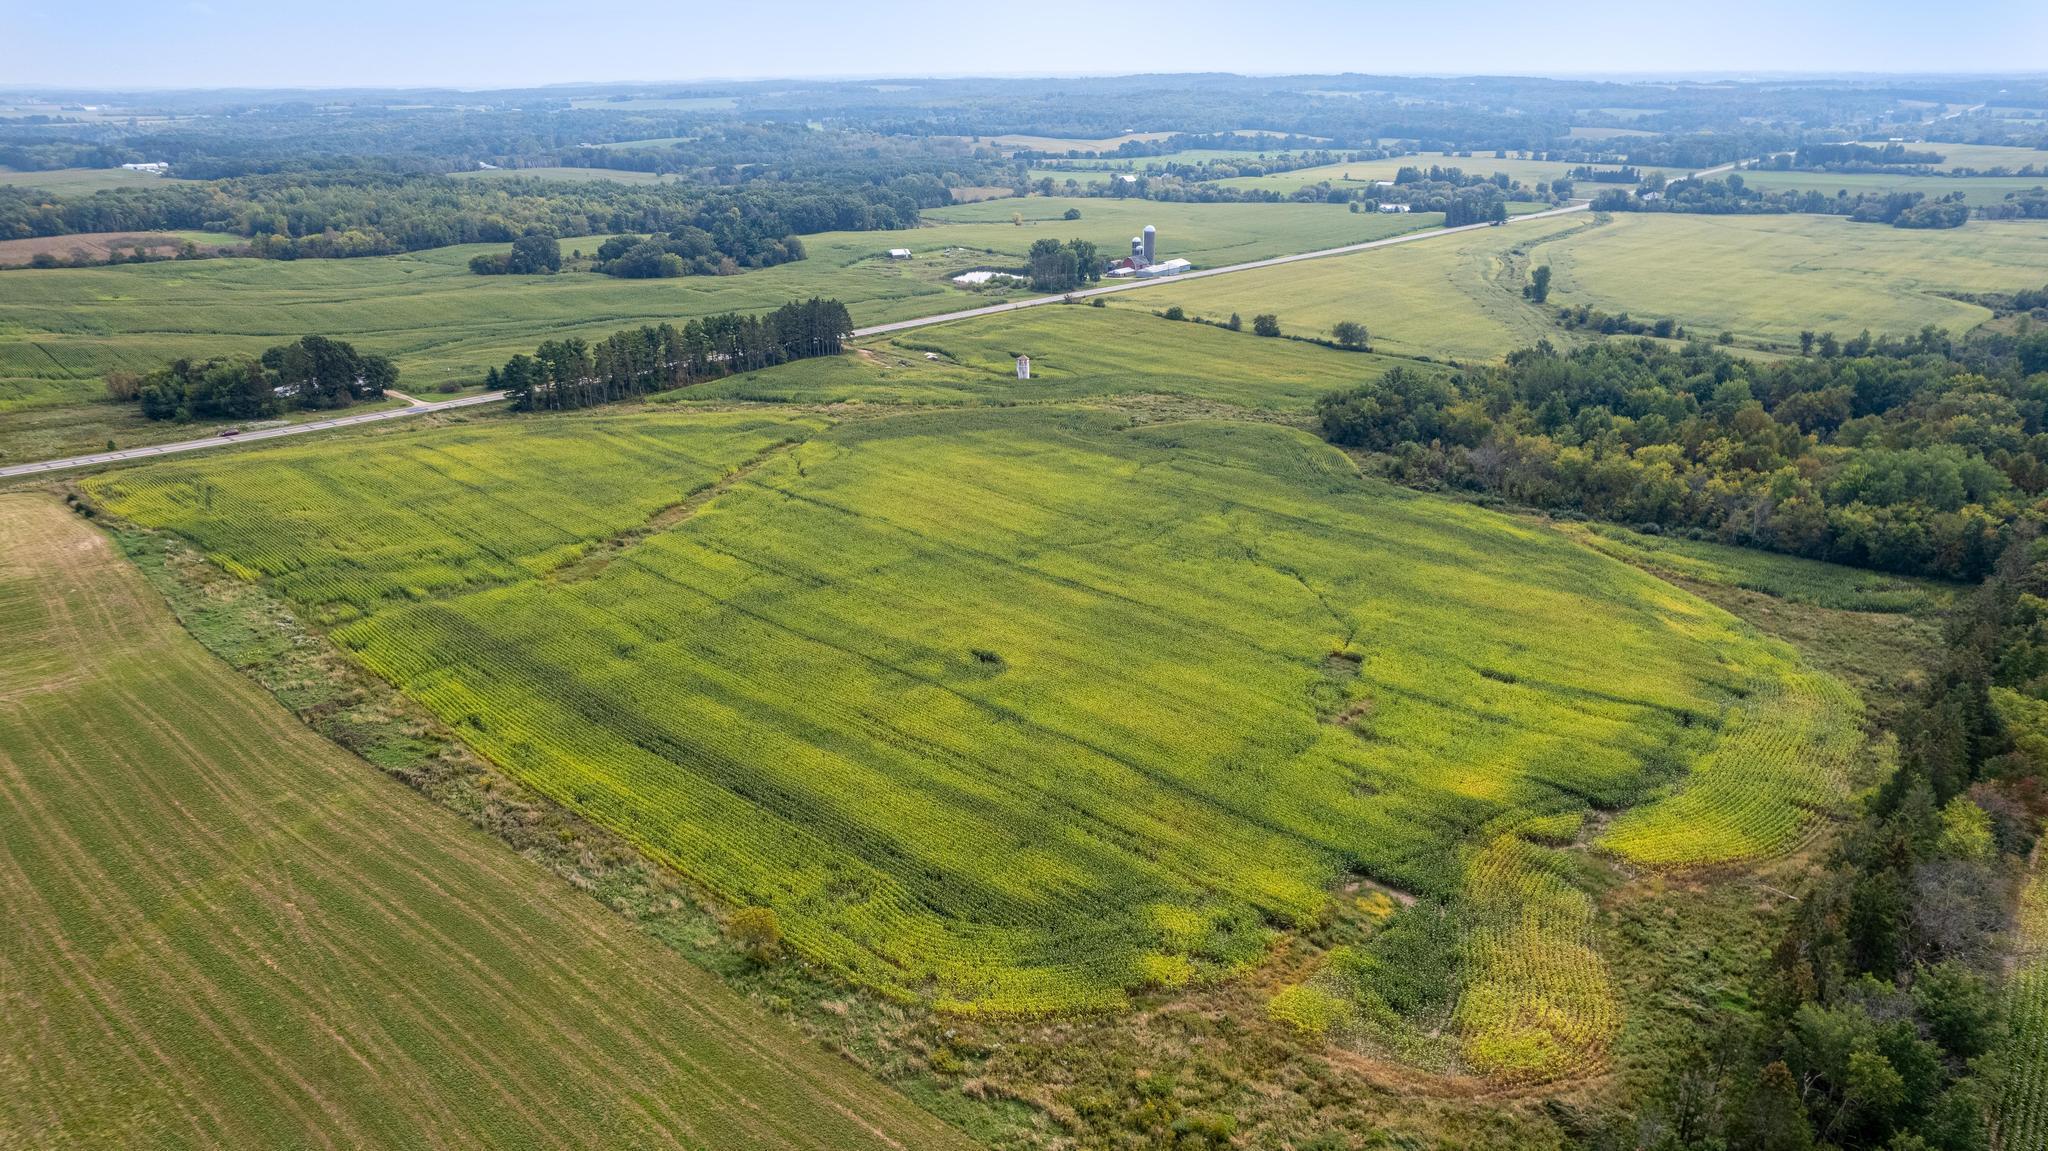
x=224 y=931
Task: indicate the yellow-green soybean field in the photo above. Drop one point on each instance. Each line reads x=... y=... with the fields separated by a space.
x=1019 y=709
x=224 y=931
x=2022 y=1113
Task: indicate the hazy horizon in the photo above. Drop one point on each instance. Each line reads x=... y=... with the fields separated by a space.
x=465 y=44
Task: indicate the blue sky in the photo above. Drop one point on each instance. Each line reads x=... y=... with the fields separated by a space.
x=511 y=43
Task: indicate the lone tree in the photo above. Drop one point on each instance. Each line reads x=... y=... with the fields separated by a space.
x=1265 y=324
x=1236 y=324
x=1539 y=285
x=757 y=932
x=1351 y=334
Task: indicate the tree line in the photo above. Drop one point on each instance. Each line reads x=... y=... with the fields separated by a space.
x=368 y=213
x=573 y=373
x=312 y=372
x=1878 y=1019
x=1916 y=456
x=1730 y=195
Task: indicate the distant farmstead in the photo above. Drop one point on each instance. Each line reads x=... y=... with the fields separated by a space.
x=899 y=253
x=157 y=166
x=1394 y=207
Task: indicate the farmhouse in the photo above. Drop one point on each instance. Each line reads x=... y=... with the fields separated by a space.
x=157 y=166
x=1394 y=207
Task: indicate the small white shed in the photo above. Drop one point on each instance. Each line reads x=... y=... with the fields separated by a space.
x=899 y=253
x=1023 y=367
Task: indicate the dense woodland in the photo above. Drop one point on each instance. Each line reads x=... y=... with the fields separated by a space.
x=1914 y=456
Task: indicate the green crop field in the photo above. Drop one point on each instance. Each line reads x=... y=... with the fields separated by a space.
x=1076 y=352
x=1983 y=156
x=1364 y=172
x=2022 y=1118
x=1779 y=576
x=224 y=931
x=1766 y=278
x=1039 y=706
x=1976 y=189
x=1454 y=298
x=62 y=330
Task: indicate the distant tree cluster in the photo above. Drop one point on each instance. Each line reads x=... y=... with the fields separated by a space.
x=1915 y=456
x=537 y=254
x=692 y=251
x=568 y=374
x=311 y=372
x=1732 y=196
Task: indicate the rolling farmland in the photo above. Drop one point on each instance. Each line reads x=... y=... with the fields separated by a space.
x=1976 y=190
x=61 y=330
x=1040 y=708
x=1454 y=298
x=1767 y=278
x=225 y=931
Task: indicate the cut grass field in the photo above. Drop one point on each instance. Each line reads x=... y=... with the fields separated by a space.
x=1040 y=706
x=1977 y=190
x=1767 y=278
x=225 y=931
x=62 y=330
x=1454 y=298
x=79 y=180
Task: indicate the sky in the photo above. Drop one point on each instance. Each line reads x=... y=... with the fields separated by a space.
x=521 y=43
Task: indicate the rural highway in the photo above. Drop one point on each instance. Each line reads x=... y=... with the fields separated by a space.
x=417 y=408
x=1199 y=273
x=414 y=409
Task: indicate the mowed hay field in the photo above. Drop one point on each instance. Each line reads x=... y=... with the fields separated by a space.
x=1767 y=278
x=79 y=180
x=61 y=330
x=1458 y=297
x=1018 y=709
x=1976 y=190
x=223 y=931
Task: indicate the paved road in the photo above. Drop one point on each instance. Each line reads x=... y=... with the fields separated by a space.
x=419 y=408
x=247 y=437
x=1134 y=285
